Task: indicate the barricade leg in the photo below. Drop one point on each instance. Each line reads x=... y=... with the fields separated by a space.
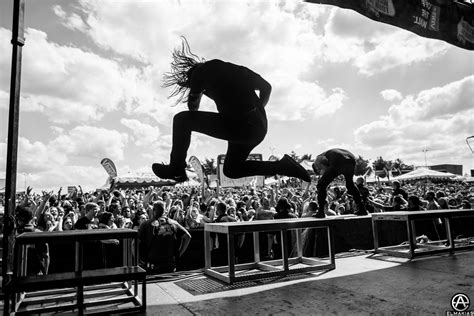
x=207 y=250
x=256 y=247
x=231 y=256
x=411 y=237
x=284 y=249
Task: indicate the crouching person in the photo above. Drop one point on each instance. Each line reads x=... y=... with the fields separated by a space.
x=161 y=241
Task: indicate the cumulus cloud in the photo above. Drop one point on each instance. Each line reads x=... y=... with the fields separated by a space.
x=143 y=134
x=91 y=142
x=72 y=20
x=352 y=39
x=436 y=119
x=68 y=84
x=4 y=100
x=282 y=30
x=409 y=49
x=391 y=95
x=70 y=156
x=116 y=75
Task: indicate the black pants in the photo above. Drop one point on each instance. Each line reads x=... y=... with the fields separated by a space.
x=346 y=168
x=243 y=134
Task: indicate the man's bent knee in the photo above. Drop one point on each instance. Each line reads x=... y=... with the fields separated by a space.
x=182 y=116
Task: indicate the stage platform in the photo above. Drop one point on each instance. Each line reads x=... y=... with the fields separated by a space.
x=362 y=284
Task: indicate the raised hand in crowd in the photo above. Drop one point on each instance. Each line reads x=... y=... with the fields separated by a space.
x=44 y=202
x=147 y=199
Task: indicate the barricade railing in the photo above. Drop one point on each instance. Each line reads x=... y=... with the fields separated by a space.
x=90 y=291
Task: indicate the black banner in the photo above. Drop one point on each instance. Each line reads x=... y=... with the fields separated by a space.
x=448 y=20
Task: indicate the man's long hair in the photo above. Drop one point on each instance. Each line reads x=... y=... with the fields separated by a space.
x=178 y=78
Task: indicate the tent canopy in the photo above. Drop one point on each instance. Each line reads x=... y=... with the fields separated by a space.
x=422 y=173
x=150 y=179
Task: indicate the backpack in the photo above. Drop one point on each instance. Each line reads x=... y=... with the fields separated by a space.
x=162 y=247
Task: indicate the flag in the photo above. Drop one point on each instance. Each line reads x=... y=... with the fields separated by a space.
x=197 y=166
x=447 y=20
x=109 y=166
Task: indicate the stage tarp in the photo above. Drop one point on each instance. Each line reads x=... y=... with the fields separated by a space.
x=447 y=20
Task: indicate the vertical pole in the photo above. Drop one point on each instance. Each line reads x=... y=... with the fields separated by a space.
x=231 y=256
x=299 y=243
x=256 y=247
x=284 y=250
x=375 y=234
x=411 y=236
x=207 y=249
x=332 y=245
x=12 y=147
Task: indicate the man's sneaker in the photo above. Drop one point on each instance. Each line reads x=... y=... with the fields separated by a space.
x=167 y=172
x=319 y=215
x=294 y=169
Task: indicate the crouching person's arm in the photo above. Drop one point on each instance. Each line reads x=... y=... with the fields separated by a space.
x=185 y=238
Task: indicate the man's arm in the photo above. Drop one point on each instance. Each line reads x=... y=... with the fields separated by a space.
x=196 y=90
x=264 y=88
x=194 y=100
x=185 y=239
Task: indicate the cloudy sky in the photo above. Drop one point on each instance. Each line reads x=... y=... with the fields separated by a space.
x=92 y=73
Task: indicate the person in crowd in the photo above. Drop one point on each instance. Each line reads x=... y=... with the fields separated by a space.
x=106 y=221
x=38 y=254
x=220 y=240
x=241 y=117
x=284 y=209
x=398 y=190
x=119 y=221
x=263 y=211
x=443 y=203
x=364 y=194
x=311 y=209
x=67 y=223
x=127 y=217
x=193 y=218
x=330 y=164
x=431 y=199
x=87 y=221
x=465 y=205
x=399 y=203
x=414 y=203
x=139 y=218
x=158 y=241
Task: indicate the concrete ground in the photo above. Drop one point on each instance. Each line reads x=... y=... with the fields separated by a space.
x=360 y=285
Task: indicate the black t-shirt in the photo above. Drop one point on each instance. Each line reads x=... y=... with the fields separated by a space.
x=158 y=241
x=82 y=223
x=232 y=87
x=401 y=192
x=338 y=156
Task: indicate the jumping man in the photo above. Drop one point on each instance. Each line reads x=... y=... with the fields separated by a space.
x=241 y=117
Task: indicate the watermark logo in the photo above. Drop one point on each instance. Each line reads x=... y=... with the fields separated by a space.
x=460 y=303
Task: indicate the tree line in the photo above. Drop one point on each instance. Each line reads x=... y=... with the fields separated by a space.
x=380 y=167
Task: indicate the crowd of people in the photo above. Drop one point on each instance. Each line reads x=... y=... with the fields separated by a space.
x=172 y=211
